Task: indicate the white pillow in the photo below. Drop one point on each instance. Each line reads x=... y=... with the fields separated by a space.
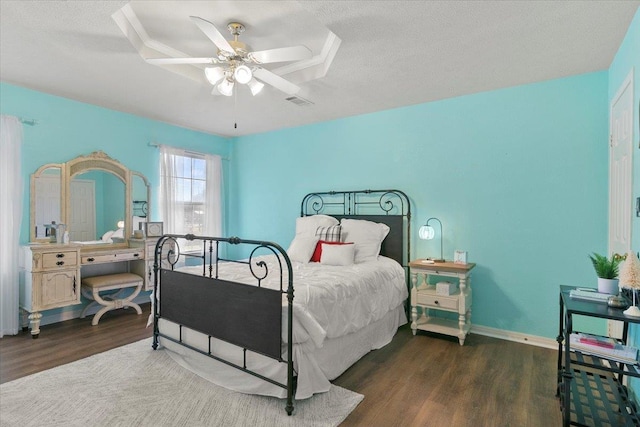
x=119 y=233
x=367 y=236
x=106 y=237
x=301 y=248
x=338 y=254
x=307 y=225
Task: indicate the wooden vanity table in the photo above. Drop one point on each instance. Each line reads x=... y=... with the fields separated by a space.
x=93 y=196
x=53 y=274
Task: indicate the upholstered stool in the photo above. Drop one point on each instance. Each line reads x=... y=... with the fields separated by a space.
x=92 y=286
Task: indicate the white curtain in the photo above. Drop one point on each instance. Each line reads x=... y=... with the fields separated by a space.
x=10 y=222
x=213 y=198
x=171 y=215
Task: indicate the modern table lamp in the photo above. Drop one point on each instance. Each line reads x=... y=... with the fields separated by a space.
x=426 y=232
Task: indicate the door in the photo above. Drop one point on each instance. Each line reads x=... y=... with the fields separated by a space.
x=620 y=176
x=620 y=169
x=82 y=218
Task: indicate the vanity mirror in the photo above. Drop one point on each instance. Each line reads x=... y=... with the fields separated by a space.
x=140 y=196
x=99 y=200
x=46 y=200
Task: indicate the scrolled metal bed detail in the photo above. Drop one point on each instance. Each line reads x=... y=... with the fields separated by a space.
x=244 y=315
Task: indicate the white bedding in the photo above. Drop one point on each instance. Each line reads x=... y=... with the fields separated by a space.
x=330 y=302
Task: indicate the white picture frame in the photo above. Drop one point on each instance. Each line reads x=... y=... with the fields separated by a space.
x=460 y=257
x=152 y=228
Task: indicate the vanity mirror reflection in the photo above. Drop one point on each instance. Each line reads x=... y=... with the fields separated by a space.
x=46 y=197
x=98 y=199
x=96 y=207
x=140 y=197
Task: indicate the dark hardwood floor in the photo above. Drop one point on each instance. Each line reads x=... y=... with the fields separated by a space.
x=65 y=342
x=426 y=380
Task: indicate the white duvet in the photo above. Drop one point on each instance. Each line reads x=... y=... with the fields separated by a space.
x=329 y=301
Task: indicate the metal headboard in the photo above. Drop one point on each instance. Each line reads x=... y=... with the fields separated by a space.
x=390 y=207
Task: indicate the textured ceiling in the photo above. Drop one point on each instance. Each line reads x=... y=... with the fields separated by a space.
x=392 y=53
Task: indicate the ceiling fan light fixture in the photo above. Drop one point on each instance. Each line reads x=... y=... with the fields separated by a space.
x=214 y=74
x=243 y=74
x=226 y=87
x=255 y=86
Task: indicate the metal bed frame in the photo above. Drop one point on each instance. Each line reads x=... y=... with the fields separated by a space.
x=249 y=316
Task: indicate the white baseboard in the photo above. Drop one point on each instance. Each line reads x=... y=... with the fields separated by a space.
x=48 y=319
x=552 y=344
x=515 y=336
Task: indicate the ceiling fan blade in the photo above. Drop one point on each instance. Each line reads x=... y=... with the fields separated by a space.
x=171 y=61
x=283 y=54
x=276 y=81
x=212 y=32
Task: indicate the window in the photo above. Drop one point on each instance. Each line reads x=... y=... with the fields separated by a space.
x=190 y=193
x=191 y=183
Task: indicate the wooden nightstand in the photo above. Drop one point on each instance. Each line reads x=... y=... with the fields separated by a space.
x=424 y=295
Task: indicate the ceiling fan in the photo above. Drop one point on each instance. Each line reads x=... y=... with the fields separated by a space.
x=238 y=64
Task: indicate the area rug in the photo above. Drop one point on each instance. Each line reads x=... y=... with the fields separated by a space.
x=137 y=386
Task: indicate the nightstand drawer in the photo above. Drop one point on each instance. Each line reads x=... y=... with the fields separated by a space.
x=439 y=301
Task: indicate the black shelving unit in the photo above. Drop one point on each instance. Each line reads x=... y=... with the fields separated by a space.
x=590 y=388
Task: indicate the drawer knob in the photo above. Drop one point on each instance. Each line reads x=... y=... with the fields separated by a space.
x=60 y=263
x=136 y=255
x=436 y=302
x=90 y=259
x=59 y=255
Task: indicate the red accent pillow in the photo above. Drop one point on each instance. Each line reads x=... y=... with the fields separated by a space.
x=317 y=253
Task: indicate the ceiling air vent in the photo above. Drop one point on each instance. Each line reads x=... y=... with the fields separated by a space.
x=301 y=102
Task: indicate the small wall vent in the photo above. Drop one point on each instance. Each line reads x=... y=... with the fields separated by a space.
x=301 y=102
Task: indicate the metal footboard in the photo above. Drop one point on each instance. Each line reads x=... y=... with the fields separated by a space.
x=246 y=315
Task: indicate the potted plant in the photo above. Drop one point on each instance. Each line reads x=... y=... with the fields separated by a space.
x=607 y=272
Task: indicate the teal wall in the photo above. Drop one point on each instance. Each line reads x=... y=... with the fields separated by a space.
x=66 y=129
x=627 y=60
x=517 y=176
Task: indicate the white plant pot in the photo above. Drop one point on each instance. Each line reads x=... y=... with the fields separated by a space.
x=608 y=286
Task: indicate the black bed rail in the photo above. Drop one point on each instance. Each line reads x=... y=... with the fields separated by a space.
x=394 y=202
x=168 y=255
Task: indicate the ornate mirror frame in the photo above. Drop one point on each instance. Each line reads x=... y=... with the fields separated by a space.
x=96 y=161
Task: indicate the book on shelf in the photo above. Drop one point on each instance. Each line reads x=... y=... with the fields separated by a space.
x=600 y=341
x=605 y=347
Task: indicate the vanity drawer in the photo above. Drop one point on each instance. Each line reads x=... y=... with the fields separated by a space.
x=60 y=259
x=113 y=257
x=437 y=301
x=97 y=259
x=130 y=256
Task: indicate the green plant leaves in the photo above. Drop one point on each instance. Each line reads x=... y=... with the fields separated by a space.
x=606 y=268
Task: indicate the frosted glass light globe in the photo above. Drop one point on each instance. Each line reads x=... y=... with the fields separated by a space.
x=426 y=232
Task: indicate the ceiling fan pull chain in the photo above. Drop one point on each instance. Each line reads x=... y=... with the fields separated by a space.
x=235 y=109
